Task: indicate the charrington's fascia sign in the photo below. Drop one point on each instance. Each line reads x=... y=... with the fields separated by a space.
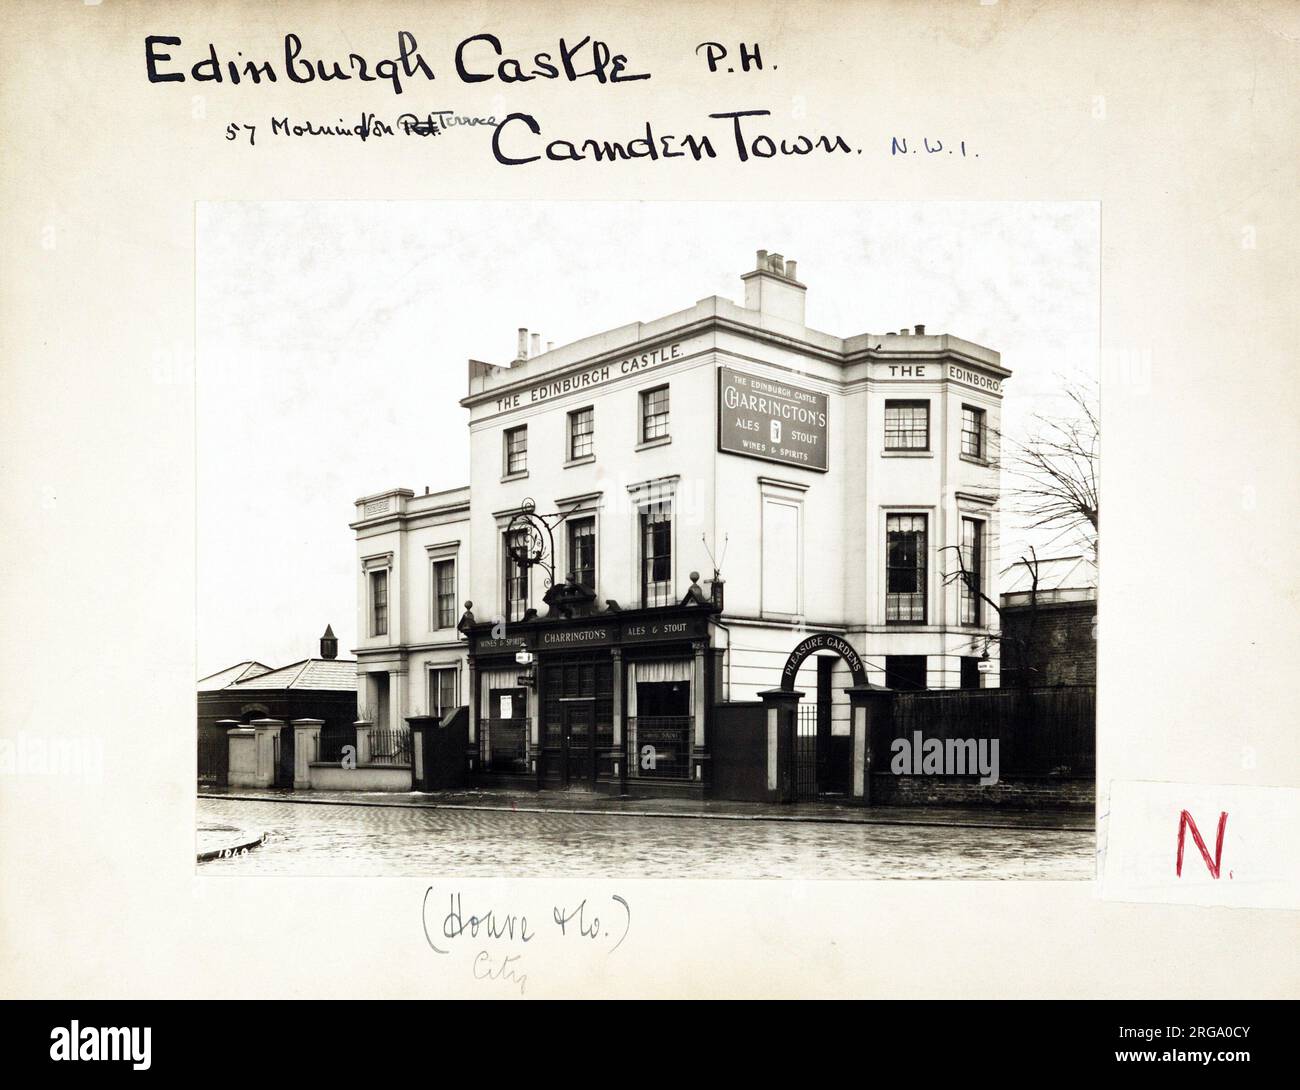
x=559 y=636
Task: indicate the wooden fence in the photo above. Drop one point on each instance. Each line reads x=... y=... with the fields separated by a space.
x=1041 y=731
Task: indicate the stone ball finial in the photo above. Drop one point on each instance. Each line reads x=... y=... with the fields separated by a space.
x=695 y=577
x=469 y=605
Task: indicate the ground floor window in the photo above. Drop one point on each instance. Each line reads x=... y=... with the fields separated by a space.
x=660 y=723
x=503 y=732
x=905 y=672
x=444 y=691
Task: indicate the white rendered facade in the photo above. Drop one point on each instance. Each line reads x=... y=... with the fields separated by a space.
x=799 y=549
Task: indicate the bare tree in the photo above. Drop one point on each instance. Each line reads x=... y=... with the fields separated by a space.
x=1053 y=474
x=1023 y=640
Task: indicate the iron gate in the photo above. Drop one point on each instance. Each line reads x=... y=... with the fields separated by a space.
x=805 y=753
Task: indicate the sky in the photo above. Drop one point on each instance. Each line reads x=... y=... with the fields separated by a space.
x=332 y=340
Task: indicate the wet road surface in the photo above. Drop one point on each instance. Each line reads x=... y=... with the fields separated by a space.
x=322 y=839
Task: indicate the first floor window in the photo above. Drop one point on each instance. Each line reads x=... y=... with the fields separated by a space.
x=582 y=552
x=516 y=545
x=444 y=591
x=516 y=450
x=379 y=603
x=972 y=431
x=657 y=555
x=907 y=425
x=582 y=426
x=972 y=562
x=444 y=692
x=905 y=569
x=654 y=414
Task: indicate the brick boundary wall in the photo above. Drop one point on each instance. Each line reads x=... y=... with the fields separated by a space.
x=1014 y=793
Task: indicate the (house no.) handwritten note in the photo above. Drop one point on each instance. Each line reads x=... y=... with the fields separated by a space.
x=1201 y=844
x=491 y=942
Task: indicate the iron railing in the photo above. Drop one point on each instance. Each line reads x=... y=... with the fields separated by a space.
x=390 y=747
x=669 y=739
x=805 y=752
x=503 y=744
x=333 y=737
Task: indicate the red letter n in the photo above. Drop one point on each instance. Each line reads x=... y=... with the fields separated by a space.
x=1185 y=820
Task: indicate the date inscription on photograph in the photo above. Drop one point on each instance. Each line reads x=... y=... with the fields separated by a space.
x=773 y=420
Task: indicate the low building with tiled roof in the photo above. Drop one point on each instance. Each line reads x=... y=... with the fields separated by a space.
x=323 y=687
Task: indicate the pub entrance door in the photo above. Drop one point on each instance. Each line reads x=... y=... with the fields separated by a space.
x=579 y=761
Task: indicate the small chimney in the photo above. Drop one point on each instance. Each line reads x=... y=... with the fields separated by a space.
x=772 y=290
x=920 y=330
x=329 y=645
x=535 y=348
x=904 y=331
x=550 y=345
x=521 y=353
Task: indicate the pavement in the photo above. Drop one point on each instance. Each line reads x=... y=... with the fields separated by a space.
x=578 y=802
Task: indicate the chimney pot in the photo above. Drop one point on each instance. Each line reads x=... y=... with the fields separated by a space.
x=535 y=348
x=777 y=263
x=522 y=351
x=550 y=345
x=903 y=332
x=789 y=270
x=920 y=331
x=761 y=263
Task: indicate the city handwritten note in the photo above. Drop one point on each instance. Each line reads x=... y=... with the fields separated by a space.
x=1200 y=844
x=496 y=941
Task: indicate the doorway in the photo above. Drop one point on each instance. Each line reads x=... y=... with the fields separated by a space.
x=579 y=762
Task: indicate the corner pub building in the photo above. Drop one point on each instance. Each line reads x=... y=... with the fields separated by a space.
x=816 y=482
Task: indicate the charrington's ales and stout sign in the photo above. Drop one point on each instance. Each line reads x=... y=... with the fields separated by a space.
x=546 y=635
x=772 y=420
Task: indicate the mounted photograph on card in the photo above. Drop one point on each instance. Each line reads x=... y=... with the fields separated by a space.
x=676 y=540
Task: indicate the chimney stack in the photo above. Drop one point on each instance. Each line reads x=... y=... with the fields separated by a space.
x=772 y=290
x=329 y=645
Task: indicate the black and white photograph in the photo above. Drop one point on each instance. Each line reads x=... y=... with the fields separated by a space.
x=637 y=566
x=581 y=501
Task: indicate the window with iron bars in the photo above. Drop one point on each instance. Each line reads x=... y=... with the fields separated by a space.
x=654 y=413
x=444 y=590
x=972 y=558
x=379 y=603
x=905 y=569
x=516 y=574
x=657 y=555
x=582 y=552
x=972 y=431
x=907 y=425
x=582 y=427
x=516 y=440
